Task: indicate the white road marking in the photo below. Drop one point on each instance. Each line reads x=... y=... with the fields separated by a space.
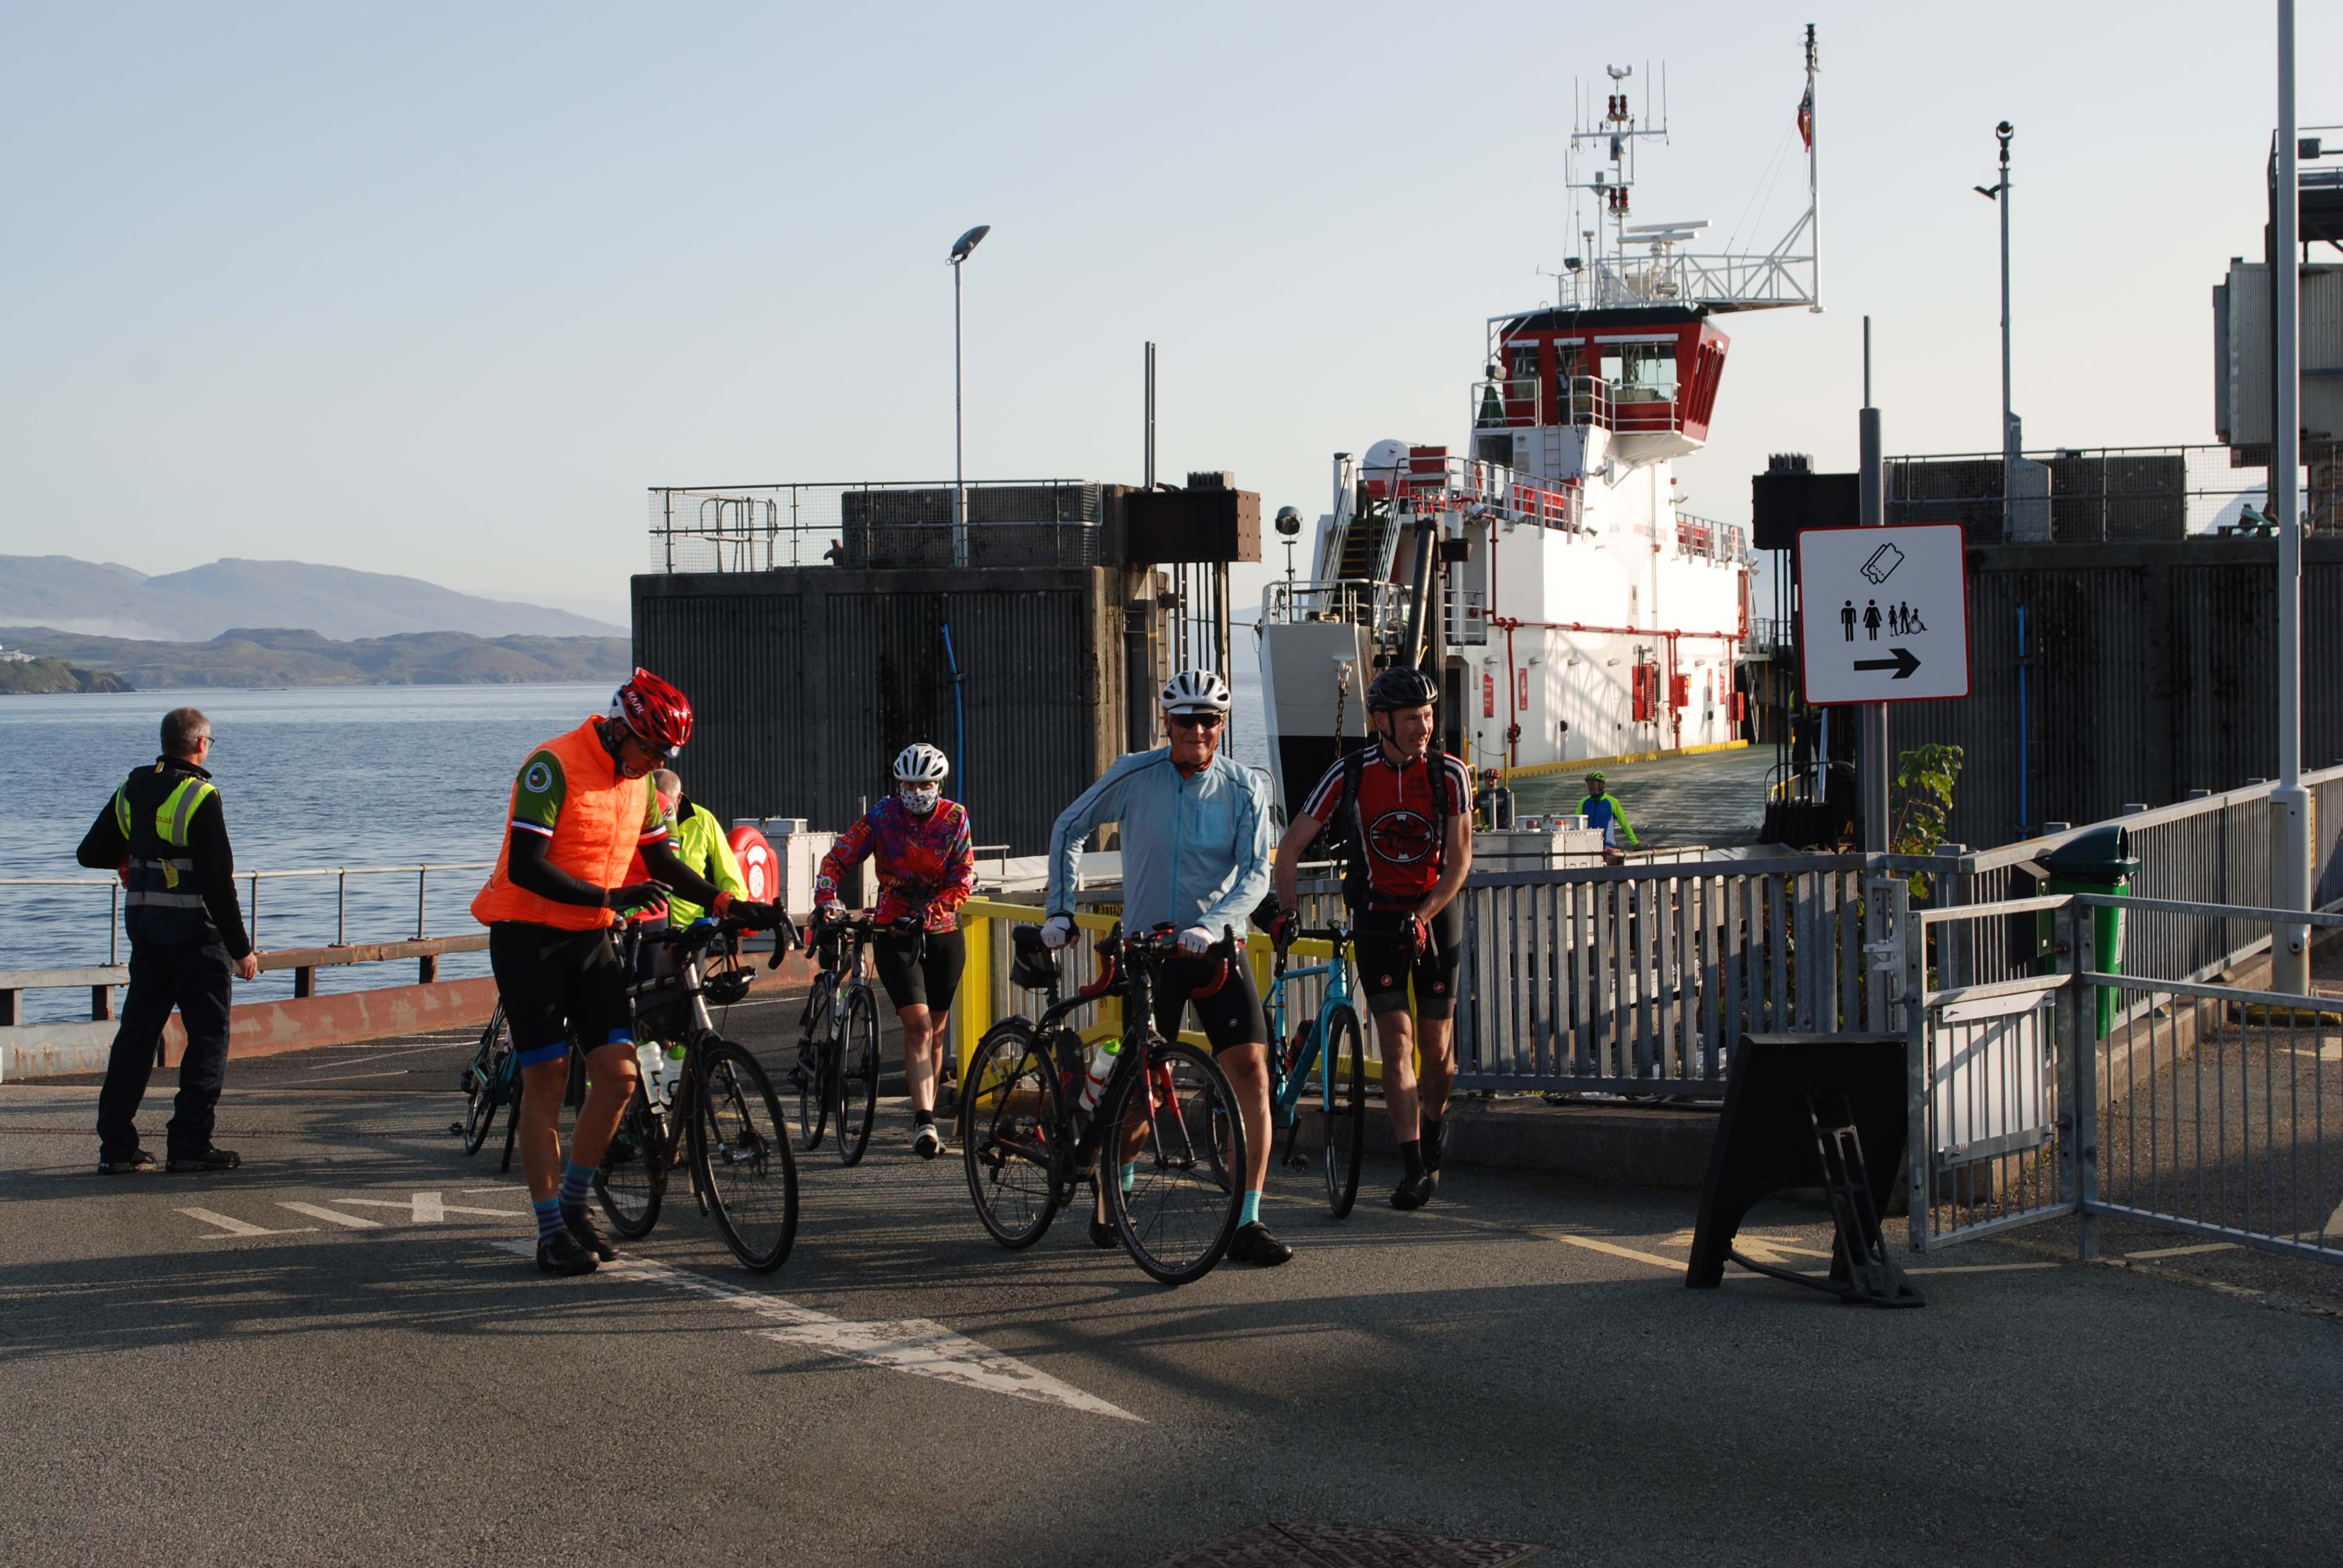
x=1673 y=1264
x=373 y=1056
x=347 y=1222
x=430 y=1208
x=237 y=1226
x=348 y=1077
x=2334 y=1223
x=2183 y=1252
x=917 y=1345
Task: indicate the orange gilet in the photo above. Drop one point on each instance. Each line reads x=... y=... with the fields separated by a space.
x=593 y=838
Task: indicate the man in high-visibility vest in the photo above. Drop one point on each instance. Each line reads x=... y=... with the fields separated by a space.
x=165 y=833
x=700 y=843
x=582 y=809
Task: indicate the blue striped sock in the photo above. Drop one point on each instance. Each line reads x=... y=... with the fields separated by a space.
x=577 y=1181
x=549 y=1219
x=1130 y=1176
x=1251 y=1213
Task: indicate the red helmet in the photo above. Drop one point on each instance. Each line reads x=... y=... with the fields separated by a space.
x=659 y=715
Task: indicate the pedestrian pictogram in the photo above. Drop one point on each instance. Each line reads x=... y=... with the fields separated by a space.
x=1883 y=613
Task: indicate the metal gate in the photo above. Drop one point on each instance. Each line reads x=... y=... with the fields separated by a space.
x=2211 y=1110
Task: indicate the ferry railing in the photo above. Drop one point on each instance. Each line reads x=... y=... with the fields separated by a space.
x=1510 y=403
x=1381 y=607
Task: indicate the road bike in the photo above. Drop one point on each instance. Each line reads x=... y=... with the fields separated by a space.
x=837 y=1070
x=722 y=1122
x=1165 y=1123
x=491 y=1082
x=1326 y=1061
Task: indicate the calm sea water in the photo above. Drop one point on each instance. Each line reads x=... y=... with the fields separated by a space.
x=339 y=775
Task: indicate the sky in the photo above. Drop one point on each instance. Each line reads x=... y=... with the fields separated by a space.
x=443 y=290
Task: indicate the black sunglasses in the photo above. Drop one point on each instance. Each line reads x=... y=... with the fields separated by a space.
x=1196 y=721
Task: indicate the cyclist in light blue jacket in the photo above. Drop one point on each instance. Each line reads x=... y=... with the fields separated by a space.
x=1198 y=841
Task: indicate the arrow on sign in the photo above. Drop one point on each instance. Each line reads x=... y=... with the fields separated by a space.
x=1903 y=664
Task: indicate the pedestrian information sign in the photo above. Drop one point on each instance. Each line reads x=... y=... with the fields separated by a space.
x=1884 y=614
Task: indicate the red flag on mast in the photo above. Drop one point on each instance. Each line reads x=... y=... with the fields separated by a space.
x=1806 y=119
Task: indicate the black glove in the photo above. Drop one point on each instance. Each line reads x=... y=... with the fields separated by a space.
x=1283 y=926
x=634 y=896
x=755 y=916
x=909 y=925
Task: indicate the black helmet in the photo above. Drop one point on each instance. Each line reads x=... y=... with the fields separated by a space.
x=1401 y=687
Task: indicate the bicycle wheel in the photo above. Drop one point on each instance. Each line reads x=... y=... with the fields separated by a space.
x=811 y=1073
x=484 y=1082
x=633 y=1177
x=1012 y=1111
x=1187 y=1169
x=857 y=1076
x=741 y=1147
x=1342 y=1103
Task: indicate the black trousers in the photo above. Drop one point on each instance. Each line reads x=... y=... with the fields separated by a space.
x=195 y=977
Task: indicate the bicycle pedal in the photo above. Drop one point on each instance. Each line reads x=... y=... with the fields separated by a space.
x=1297 y=1163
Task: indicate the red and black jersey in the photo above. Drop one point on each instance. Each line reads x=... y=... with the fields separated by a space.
x=1399 y=820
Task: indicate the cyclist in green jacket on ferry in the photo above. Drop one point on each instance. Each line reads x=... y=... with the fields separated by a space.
x=700 y=843
x=1603 y=812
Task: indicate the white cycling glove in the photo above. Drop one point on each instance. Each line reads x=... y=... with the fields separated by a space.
x=1057 y=932
x=1195 y=942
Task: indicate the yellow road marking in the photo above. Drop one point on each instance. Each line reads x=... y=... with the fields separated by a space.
x=2183 y=1251
x=1615 y=1250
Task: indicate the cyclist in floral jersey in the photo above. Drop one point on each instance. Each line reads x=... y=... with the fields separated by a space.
x=927 y=869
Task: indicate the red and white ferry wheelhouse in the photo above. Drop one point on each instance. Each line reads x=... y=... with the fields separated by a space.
x=1573 y=609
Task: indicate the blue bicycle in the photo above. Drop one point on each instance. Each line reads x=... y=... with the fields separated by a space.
x=1325 y=1059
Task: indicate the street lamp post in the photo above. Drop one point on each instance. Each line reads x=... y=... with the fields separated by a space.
x=2289 y=944
x=960 y=253
x=1998 y=194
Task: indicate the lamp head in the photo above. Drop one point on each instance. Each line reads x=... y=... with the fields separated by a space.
x=969 y=242
x=1289 y=521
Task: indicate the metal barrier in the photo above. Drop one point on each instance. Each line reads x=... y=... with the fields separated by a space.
x=987 y=994
x=2212 y=1111
x=1637 y=980
x=2211 y=850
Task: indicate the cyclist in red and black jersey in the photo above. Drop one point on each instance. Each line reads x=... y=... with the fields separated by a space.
x=1411 y=816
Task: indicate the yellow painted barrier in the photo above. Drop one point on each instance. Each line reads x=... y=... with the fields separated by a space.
x=980 y=1003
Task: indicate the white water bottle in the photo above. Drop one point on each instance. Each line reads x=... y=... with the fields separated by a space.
x=1101 y=1066
x=657 y=1087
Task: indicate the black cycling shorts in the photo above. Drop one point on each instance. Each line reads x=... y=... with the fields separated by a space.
x=555 y=983
x=1385 y=968
x=932 y=980
x=1230 y=1013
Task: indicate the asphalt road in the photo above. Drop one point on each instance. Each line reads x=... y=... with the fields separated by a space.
x=342 y=1353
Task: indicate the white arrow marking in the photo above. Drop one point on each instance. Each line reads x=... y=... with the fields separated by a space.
x=347 y=1222
x=237 y=1226
x=915 y=1345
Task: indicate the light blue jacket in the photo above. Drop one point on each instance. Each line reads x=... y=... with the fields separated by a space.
x=1195 y=852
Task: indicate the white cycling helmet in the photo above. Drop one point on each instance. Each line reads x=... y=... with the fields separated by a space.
x=1196 y=691
x=921 y=763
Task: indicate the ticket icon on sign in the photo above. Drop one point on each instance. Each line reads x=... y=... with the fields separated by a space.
x=1882 y=563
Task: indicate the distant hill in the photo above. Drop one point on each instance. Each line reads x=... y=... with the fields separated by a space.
x=276 y=656
x=41 y=677
x=104 y=599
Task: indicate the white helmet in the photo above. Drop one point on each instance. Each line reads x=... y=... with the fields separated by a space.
x=1196 y=691
x=921 y=763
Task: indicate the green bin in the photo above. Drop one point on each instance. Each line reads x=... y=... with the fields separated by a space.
x=2098 y=861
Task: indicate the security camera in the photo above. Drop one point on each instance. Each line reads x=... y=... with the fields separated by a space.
x=1289 y=521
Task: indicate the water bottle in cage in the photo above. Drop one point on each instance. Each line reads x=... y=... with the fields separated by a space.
x=1101 y=1067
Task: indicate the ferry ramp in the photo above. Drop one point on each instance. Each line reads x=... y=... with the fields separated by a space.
x=1715 y=797
x=342 y=1353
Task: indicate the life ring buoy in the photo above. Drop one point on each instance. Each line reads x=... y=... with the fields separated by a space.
x=761 y=869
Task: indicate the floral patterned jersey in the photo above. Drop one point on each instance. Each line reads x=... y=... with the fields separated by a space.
x=927 y=865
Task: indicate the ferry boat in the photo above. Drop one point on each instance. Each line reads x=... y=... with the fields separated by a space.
x=1571 y=608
